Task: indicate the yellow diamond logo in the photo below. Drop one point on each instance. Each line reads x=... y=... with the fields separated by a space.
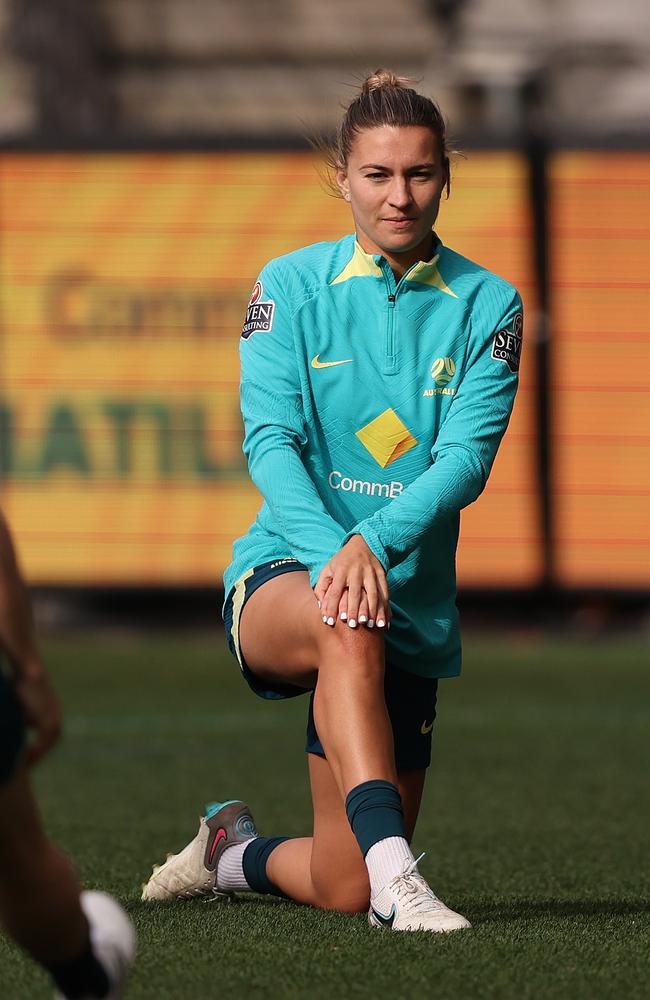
x=386 y=438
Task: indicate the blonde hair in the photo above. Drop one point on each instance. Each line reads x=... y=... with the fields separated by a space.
x=384 y=99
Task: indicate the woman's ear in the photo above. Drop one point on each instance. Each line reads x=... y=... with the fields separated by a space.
x=342 y=182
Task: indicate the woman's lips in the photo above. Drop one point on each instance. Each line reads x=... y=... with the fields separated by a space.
x=400 y=223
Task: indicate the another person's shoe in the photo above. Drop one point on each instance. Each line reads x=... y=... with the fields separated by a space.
x=193 y=872
x=407 y=903
x=112 y=937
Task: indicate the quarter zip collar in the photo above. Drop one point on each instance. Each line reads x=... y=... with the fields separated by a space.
x=423 y=271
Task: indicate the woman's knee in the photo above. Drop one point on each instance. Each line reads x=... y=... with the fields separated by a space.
x=352 y=650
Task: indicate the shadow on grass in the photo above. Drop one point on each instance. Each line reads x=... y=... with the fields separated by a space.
x=483 y=912
x=516 y=909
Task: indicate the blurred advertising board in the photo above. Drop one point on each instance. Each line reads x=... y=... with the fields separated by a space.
x=124 y=280
x=600 y=241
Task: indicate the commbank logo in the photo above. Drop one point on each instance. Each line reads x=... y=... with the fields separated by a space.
x=338 y=481
x=386 y=438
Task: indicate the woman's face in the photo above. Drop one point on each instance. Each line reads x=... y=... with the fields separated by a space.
x=393 y=179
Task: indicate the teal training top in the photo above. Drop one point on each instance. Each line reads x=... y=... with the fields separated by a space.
x=376 y=407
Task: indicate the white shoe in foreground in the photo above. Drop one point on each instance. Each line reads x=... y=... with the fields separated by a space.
x=408 y=904
x=193 y=872
x=112 y=937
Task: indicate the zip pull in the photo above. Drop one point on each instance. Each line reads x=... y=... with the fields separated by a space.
x=391 y=299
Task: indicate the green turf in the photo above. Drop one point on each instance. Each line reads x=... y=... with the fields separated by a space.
x=535 y=823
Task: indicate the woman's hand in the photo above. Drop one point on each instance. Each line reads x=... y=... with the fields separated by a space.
x=353 y=584
x=41 y=710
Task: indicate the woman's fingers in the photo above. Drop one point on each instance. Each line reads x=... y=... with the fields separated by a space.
x=330 y=603
x=323 y=583
x=364 y=617
x=371 y=592
x=383 y=604
x=383 y=617
x=353 y=584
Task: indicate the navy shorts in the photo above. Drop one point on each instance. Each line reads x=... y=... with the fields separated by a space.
x=12 y=729
x=410 y=699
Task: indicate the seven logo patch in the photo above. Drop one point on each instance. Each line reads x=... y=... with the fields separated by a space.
x=507 y=343
x=259 y=313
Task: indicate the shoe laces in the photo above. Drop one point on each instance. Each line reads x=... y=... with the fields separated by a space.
x=410 y=883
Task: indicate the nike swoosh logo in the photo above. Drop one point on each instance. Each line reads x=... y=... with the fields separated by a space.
x=426 y=727
x=218 y=837
x=386 y=921
x=316 y=363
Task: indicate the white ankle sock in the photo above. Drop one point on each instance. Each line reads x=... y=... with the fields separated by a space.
x=230 y=872
x=385 y=859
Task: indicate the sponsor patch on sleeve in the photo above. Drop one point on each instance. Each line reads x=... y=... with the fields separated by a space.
x=259 y=313
x=507 y=343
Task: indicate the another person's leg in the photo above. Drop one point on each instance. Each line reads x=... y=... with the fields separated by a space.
x=39 y=891
x=85 y=940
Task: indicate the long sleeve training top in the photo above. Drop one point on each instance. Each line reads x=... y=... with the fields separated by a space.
x=375 y=407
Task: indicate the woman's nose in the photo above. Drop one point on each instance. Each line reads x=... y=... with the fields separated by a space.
x=400 y=194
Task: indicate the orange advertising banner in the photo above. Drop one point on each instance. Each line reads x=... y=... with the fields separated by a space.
x=124 y=280
x=600 y=264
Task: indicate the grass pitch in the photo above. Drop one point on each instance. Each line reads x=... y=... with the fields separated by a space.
x=534 y=821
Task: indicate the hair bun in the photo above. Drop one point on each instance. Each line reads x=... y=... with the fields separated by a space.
x=385 y=78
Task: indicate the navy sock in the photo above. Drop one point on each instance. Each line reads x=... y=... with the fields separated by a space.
x=80 y=977
x=254 y=862
x=374 y=810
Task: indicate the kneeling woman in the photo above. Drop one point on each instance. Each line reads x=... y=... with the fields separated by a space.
x=378 y=377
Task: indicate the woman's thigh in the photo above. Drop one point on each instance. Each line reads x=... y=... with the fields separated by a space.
x=276 y=630
x=338 y=871
x=282 y=636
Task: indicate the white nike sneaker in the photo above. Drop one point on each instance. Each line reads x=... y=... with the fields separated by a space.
x=408 y=904
x=113 y=940
x=193 y=872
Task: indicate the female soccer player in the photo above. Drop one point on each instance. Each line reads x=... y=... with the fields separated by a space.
x=378 y=377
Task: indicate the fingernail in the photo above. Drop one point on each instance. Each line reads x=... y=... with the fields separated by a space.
x=330 y=621
x=352 y=623
x=371 y=623
x=343 y=616
x=324 y=619
x=363 y=619
x=380 y=623
x=318 y=602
